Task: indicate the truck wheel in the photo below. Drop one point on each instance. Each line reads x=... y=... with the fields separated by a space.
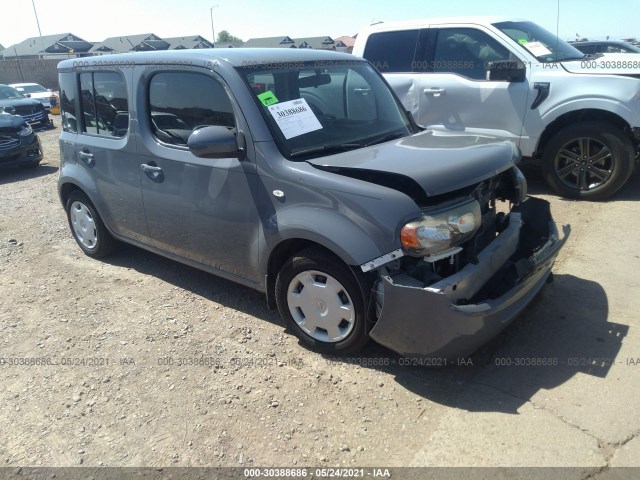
x=588 y=160
x=86 y=225
x=320 y=299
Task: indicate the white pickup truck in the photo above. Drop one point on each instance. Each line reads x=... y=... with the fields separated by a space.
x=578 y=115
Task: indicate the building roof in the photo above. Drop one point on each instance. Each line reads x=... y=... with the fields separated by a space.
x=188 y=41
x=270 y=42
x=131 y=43
x=48 y=44
x=319 y=43
x=229 y=44
x=347 y=40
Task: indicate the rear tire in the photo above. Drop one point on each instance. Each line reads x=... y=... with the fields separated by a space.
x=588 y=160
x=87 y=227
x=321 y=301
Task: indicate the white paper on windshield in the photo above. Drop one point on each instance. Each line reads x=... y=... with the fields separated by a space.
x=537 y=49
x=294 y=118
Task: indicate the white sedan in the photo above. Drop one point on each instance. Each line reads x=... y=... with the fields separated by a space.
x=35 y=91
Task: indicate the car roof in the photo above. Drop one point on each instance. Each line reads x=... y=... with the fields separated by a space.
x=236 y=57
x=421 y=23
x=23 y=84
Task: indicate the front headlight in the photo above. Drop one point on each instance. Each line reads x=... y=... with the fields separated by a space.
x=8 y=109
x=25 y=131
x=441 y=229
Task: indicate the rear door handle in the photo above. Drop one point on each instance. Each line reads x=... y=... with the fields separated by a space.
x=436 y=92
x=86 y=157
x=150 y=168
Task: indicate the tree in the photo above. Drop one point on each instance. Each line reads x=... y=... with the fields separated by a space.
x=226 y=37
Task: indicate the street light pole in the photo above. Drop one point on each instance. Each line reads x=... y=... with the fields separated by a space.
x=38 y=23
x=211 y=15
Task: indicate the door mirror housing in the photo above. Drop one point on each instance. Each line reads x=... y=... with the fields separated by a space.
x=507 y=70
x=214 y=142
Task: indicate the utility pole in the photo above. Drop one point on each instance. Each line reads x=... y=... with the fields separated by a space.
x=213 y=40
x=38 y=23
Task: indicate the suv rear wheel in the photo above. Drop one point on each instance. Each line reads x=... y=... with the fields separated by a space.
x=87 y=227
x=588 y=160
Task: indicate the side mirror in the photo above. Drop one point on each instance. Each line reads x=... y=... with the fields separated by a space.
x=214 y=142
x=507 y=70
x=28 y=95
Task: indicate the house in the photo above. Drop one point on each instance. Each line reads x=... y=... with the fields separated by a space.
x=319 y=43
x=189 y=41
x=51 y=46
x=130 y=43
x=270 y=42
x=347 y=41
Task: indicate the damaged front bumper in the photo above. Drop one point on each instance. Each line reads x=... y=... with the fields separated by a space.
x=456 y=315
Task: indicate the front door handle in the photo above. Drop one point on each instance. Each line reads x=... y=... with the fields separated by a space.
x=150 y=168
x=436 y=92
x=86 y=157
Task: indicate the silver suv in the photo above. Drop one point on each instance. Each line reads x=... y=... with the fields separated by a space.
x=299 y=174
x=577 y=115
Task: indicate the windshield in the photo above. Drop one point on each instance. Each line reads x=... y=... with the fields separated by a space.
x=31 y=89
x=317 y=108
x=8 y=93
x=543 y=45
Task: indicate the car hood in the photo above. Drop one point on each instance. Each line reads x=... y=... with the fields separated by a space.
x=11 y=121
x=41 y=95
x=606 y=64
x=15 y=102
x=439 y=162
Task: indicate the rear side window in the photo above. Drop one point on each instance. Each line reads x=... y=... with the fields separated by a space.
x=68 y=102
x=392 y=52
x=179 y=102
x=105 y=108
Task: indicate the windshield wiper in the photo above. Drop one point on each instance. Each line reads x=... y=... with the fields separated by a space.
x=339 y=147
x=568 y=59
x=384 y=138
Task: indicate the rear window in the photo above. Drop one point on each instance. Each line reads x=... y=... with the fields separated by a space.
x=392 y=52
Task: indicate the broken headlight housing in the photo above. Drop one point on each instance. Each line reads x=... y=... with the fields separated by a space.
x=441 y=229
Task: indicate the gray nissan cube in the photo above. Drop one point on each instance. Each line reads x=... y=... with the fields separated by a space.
x=298 y=173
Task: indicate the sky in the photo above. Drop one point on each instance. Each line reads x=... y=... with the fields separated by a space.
x=95 y=21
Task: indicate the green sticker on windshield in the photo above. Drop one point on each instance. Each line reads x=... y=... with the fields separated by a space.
x=268 y=98
x=523 y=41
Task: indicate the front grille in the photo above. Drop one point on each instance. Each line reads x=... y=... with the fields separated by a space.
x=33 y=118
x=9 y=144
x=23 y=110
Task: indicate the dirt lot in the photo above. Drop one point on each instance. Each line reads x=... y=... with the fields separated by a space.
x=118 y=330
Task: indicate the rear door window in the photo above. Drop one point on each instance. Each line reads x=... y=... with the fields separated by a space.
x=393 y=52
x=105 y=108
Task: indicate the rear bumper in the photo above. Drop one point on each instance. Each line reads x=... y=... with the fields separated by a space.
x=435 y=322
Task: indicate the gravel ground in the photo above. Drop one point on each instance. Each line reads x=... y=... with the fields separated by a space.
x=158 y=364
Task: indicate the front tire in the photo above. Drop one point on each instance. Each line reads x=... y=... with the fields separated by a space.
x=589 y=160
x=87 y=227
x=321 y=301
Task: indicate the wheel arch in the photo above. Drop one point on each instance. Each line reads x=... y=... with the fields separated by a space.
x=287 y=249
x=66 y=189
x=583 y=115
